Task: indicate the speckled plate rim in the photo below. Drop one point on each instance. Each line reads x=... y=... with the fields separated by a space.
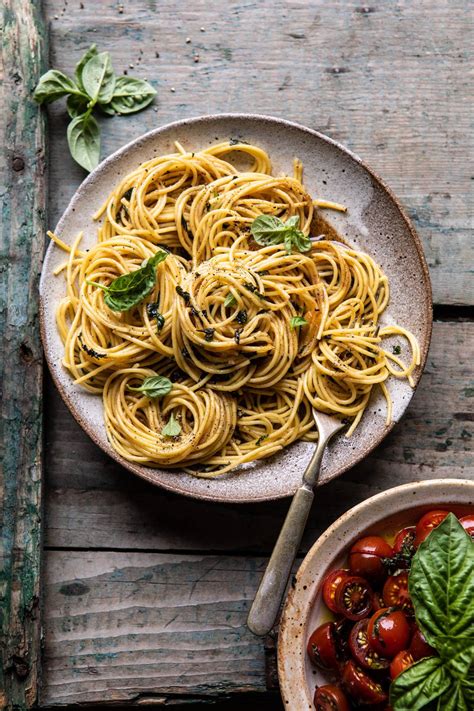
x=150 y=474
x=321 y=557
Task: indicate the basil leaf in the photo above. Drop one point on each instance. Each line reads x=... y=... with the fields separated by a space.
x=154 y=386
x=128 y=290
x=301 y=241
x=106 y=109
x=131 y=95
x=172 y=428
x=456 y=698
x=83 y=137
x=98 y=78
x=421 y=683
x=269 y=230
x=76 y=105
x=52 y=86
x=230 y=299
x=441 y=584
x=298 y=321
x=457 y=653
x=91 y=52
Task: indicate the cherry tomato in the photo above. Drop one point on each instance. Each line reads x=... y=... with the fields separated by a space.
x=330 y=698
x=330 y=584
x=388 y=632
x=361 y=650
x=467 y=522
x=365 y=557
x=354 y=598
x=402 y=661
x=405 y=537
x=419 y=647
x=360 y=686
x=322 y=647
x=426 y=524
x=395 y=593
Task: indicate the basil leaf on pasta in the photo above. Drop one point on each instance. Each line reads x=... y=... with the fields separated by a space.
x=155 y=386
x=298 y=321
x=230 y=299
x=98 y=78
x=83 y=137
x=131 y=95
x=268 y=229
x=128 y=290
x=52 y=86
x=172 y=427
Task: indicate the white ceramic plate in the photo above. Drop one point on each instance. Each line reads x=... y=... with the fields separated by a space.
x=304 y=610
x=374 y=222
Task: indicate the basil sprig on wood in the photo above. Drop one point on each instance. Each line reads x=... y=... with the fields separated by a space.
x=267 y=230
x=154 y=386
x=94 y=86
x=128 y=290
x=441 y=584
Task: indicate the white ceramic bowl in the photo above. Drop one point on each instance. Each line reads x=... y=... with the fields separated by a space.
x=304 y=610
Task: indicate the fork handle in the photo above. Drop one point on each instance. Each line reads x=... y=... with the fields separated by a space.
x=266 y=605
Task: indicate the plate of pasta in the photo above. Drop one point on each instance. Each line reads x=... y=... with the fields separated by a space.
x=214 y=281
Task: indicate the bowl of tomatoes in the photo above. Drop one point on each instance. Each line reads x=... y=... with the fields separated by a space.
x=367 y=603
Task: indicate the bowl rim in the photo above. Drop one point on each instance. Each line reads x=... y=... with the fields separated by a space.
x=426 y=493
x=146 y=473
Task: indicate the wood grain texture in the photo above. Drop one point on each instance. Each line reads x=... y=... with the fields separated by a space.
x=391 y=80
x=94 y=503
x=123 y=628
x=22 y=229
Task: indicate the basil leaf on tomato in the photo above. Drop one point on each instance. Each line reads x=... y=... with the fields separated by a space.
x=420 y=684
x=441 y=584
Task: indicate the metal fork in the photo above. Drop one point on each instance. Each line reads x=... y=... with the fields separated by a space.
x=266 y=604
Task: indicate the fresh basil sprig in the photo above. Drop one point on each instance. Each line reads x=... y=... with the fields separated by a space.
x=128 y=290
x=94 y=86
x=441 y=584
x=267 y=230
x=298 y=321
x=172 y=427
x=154 y=386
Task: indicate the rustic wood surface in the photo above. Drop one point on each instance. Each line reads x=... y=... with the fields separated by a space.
x=22 y=131
x=146 y=593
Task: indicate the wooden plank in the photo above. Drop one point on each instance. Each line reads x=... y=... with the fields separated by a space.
x=130 y=627
x=23 y=211
x=390 y=80
x=94 y=503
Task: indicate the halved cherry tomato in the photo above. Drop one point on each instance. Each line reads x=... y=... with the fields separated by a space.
x=360 y=686
x=322 y=647
x=388 y=632
x=467 y=522
x=404 y=538
x=330 y=698
x=362 y=652
x=354 y=598
x=366 y=555
x=330 y=584
x=425 y=525
x=402 y=661
x=395 y=593
x=419 y=647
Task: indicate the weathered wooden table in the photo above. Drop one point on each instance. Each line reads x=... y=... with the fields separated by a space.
x=145 y=594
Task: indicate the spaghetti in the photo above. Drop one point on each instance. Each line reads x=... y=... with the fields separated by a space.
x=247 y=337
